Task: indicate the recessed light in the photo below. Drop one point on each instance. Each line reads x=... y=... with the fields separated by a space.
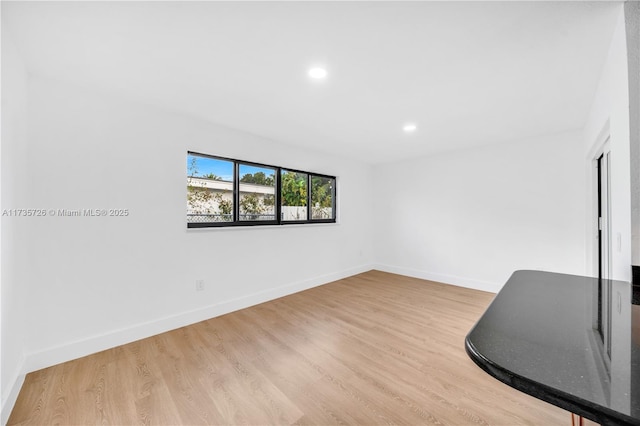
x=318 y=73
x=408 y=128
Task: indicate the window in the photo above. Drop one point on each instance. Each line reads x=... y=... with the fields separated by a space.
x=227 y=192
x=257 y=193
x=294 y=196
x=323 y=197
x=209 y=190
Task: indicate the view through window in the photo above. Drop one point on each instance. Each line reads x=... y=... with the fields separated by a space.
x=227 y=192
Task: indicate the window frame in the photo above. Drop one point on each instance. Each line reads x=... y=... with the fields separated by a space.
x=310 y=197
x=236 y=193
x=278 y=196
x=293 y=222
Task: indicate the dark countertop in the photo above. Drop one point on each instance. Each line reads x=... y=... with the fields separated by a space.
x=542 y=335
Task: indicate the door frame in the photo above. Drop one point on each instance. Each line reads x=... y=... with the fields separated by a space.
x=602 y=223
x=591 y=226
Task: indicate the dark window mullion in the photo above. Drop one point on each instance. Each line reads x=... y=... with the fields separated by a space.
x=278 y=199
x=236 y=192
x=309 y=210
x=334 y=200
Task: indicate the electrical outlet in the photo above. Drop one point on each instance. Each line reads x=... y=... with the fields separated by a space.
x=199 y=285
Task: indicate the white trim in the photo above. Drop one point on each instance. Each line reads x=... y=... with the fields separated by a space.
x=606 y=244
x=601 y=145
x=597 y=145
x=79 y=348
x=442 y=278
x=11 y=397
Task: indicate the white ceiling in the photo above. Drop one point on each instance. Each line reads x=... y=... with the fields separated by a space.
x=468 y=73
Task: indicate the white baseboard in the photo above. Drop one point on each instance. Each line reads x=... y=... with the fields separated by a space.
x=9 y=399
x=71 y=350
x=442 y=278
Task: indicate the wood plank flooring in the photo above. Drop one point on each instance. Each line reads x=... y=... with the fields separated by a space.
x=375 y=348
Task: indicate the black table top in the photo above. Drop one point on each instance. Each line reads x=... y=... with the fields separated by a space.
x=569 y=340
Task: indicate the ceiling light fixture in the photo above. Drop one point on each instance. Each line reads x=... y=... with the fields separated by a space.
x=408 y=128
x=318 y=73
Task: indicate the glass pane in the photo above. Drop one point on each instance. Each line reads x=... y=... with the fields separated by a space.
x=257 y=193
x=209 y=189
x=322 y=197
x=294 y=196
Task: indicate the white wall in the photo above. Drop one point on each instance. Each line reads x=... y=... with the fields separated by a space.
x=632 y=27
x=102 y=281
x=473 y=217
x=609 y=116
x=13 y=249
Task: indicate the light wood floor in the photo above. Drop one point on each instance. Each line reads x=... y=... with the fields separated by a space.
x=375 y=348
